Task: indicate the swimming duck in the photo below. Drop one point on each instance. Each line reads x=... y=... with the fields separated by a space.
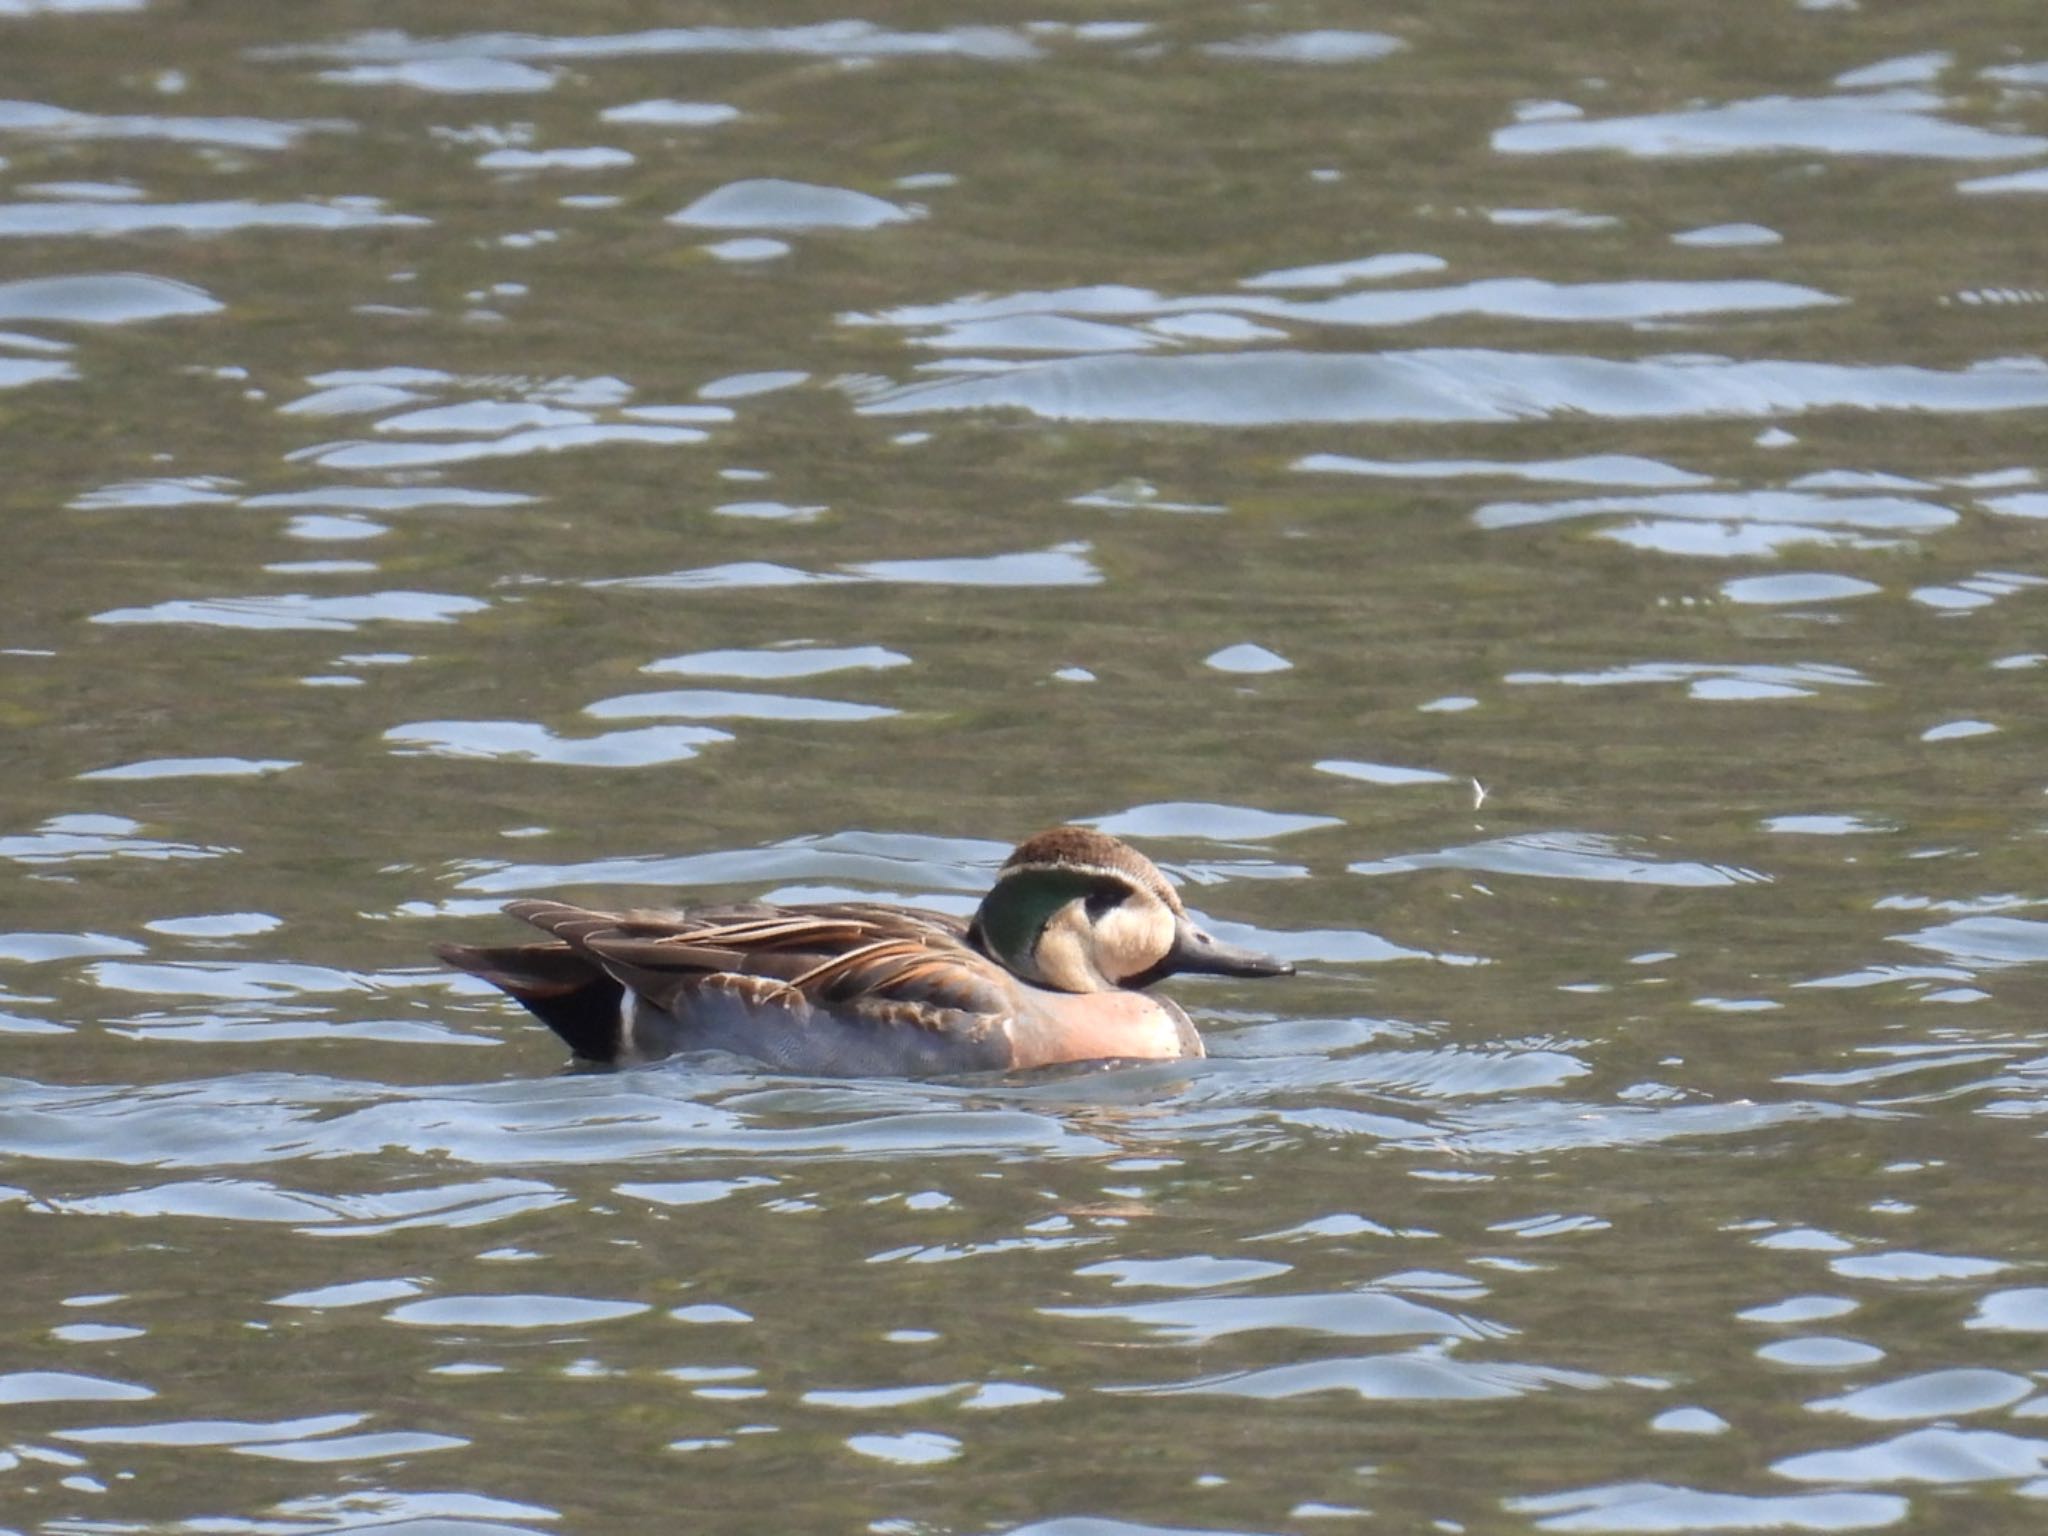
x=1049 y=970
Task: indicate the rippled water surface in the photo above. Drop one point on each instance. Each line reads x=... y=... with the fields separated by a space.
x=1533 y=512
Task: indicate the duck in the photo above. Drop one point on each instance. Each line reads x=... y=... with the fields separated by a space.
x=1051 y=969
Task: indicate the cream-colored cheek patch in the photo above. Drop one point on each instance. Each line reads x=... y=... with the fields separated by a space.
x=1133 y=938
x=1065 y=951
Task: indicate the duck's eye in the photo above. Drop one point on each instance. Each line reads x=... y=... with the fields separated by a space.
x=1103 y=900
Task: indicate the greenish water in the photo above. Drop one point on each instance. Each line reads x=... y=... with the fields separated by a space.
x=1533 y=513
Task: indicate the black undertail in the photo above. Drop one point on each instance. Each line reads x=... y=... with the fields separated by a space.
x=563 y=990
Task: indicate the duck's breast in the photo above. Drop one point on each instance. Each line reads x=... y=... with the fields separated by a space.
x=1054 y=1027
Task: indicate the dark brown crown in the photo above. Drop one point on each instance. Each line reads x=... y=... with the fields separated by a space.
x=1084 y=848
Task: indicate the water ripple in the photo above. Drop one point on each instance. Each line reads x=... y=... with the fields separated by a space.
x=1053 y=320
x=1566 y=855
x=298 y=610
x=90 y=839
x=1897 y=122
x=71 y=220
x=1657 y=1508
x=1455 y=385
x=1418 y=1376
x=1322 y=46
x=769 y=203
x=830 y=39
x=1946 y=1456
x=39 y=120
x=111 y=298
x=1357 y=1315
x=529 y=742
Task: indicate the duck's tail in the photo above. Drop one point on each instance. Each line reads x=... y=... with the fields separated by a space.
x=561 y=988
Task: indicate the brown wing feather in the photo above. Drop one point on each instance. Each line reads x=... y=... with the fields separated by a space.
x=858 y=969
x=677 y=994
x=824 y=954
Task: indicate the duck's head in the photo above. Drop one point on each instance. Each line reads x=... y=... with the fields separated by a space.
x=1078 y=911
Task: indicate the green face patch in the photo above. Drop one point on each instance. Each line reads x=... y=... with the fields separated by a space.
x=1015 y=913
